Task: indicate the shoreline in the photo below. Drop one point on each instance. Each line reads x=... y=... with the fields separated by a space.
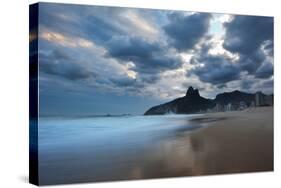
x=224 y=143
x=206 y=144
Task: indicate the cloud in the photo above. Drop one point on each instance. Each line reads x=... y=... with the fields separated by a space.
x=74 y=42
x=149 y=79
x=216 y=70
x=245 y=51
x=60 y=64
x=251 y=37
x=140 y=24
x=251 y=62
x=268 y=84
x=245 y=34
x=123 y=81
x=247 y=84
x=150 y=52
x=186 y=30
x=147 y=57
x=100 y=29
x=265 y=70
x=131 y=49
x=95 y=22
x=88 y=22
x=129 y=39
x=268 y=48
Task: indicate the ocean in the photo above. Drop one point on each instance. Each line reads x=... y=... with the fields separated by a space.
x=74 y=150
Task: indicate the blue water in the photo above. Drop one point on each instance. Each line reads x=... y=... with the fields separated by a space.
x=100 y=148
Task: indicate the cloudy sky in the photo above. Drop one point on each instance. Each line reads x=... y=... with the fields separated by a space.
x=99 y=60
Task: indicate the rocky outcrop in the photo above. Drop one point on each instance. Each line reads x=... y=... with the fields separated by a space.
x=234 y=97
x=192 y=102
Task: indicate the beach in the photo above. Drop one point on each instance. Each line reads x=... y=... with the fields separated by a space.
x=141 y=147
x=227 y=142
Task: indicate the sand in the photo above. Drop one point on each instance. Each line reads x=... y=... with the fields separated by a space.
x=228 y=142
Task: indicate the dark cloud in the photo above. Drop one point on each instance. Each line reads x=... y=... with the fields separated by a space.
x=60 y=64
x=123 y=81
x=247 y=36
x=216 y=70
x=133 y=85
x=131 y=49
x=268 y=84
x=246 y=84
x=265 y=71
x=268 y=47
x=186 y=30
x=148 y=57
x=251 y=62
x=91 y=23
x=149 y=79
x=100 y=30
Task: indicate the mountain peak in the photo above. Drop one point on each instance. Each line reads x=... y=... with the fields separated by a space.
x=192 y=92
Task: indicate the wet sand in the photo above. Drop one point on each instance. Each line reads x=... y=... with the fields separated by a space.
x=229 y=142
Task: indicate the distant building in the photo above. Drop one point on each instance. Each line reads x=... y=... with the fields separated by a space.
x=218 y=108
x=209 y=110
x=252 y=105
x=259 y=99
x=229 y=107
x=242 y=105
x=268 y=100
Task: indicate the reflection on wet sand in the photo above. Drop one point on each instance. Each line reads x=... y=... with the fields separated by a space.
x=230 y=143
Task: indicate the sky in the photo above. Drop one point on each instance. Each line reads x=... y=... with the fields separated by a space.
x=112 y=60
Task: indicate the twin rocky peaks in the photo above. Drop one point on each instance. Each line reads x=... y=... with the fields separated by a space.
x=192 y=102
x=192 y=92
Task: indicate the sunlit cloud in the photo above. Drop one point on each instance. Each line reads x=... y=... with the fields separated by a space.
x=140 y=26
x=74 y=42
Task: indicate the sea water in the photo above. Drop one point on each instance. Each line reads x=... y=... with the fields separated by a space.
x=101 y=148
